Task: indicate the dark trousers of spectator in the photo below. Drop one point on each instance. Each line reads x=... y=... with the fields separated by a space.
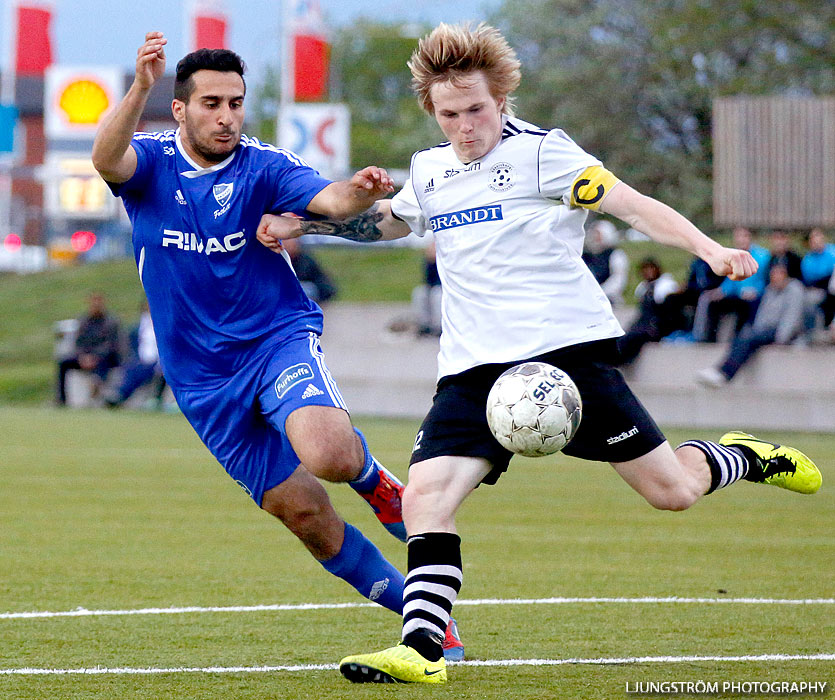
x=632 y=342
x=741 y=308
x=137 y=374
x=828 y=308
x=746 y=343
x=101 y=370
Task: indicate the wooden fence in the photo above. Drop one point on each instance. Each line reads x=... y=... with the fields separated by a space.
x=774 y=161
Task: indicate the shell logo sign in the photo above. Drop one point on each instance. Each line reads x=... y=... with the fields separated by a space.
x=84 y=101
x=76 y=99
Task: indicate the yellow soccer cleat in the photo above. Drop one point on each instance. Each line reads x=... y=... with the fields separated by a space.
x=778 y=465
x=400 y=664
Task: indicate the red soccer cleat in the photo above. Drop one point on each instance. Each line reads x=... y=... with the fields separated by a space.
x=453 y=646
x=386 y=500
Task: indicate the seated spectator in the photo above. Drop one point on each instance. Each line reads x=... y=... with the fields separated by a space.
x=143 y=366
x=314 y=280
x=784 y=254
x=828 y=307
x=426 y=297
x=817 y=267
x=737 y=298
x=608 y=263
x=656 y=318
x=97 y=347
x=700 y=277
x=424 y=316
x=778 y=320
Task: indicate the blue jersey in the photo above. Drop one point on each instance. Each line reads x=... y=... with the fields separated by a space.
x=218 y=298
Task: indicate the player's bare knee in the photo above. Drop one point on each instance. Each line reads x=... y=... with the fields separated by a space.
x=333 y=460
x=674 y=498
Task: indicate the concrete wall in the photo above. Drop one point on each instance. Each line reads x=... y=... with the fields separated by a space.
x=393 y=374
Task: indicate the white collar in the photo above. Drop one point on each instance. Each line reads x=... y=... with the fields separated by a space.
x=199 y=170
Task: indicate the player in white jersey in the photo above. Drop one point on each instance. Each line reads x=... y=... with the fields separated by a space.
x=507 y=201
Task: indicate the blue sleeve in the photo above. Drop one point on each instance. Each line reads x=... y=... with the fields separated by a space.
x=146 y=151
x=293 y=183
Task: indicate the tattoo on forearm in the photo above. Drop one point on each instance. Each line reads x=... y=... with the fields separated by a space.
x=361 y=228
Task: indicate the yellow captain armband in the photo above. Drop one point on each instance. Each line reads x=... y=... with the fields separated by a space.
x=591 y=187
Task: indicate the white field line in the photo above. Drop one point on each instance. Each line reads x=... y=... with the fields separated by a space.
x=98 y=670
x=83 y=612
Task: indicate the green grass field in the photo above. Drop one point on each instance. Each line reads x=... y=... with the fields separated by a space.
x=125 y=511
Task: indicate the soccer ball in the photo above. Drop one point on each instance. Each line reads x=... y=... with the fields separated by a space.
x=534 y=409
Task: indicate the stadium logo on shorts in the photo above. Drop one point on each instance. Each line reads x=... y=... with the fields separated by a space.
x=502 y=177
x=292 y=376
x=623 y=436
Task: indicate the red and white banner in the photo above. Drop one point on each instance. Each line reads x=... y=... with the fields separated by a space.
x=208 y=26
x=311 y=51
x=32 y=40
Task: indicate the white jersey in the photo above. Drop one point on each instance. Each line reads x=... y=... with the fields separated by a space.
x=509 y=236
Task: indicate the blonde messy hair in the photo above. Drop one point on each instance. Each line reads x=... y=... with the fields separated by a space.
x=452 y=52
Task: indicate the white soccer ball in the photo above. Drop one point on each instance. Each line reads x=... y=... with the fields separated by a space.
x=534 y=409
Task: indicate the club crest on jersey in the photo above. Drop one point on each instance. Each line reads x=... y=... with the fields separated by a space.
x=502 y=177
x=223 y=192
x=223 y=195
x=295 y=374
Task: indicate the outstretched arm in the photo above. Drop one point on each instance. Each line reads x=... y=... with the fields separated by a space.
x=113 y=156
x=665 y=225
x=375 y=224
x=346 y=198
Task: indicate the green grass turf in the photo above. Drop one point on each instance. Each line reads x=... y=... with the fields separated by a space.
x=127 y=510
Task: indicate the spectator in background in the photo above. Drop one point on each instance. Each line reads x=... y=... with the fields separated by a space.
x=680 y=306
x=656 y=317
x=778 y=321
x=817 y=267
x=782 y=253
x=314 y=280
x=733 y=297
x=608 y=263
x=426 y=297
x=144 y=366
x=97 y=347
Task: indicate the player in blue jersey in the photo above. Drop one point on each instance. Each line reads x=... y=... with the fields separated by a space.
x=238 y=339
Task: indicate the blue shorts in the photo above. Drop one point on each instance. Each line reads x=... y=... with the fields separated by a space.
x=242 y=421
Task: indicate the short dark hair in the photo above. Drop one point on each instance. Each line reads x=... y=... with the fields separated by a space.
x=222 y=60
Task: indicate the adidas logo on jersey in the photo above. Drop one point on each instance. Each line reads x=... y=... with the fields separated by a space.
x=180 y=199
x=312 y=390
x=430 y=186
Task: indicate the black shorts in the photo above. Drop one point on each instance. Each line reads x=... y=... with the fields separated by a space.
x=615 y=426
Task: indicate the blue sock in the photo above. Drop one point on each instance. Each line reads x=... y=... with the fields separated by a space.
x=362 y=565
x=369 y=477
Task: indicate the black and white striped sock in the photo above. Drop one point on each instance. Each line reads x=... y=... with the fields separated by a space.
x=727 y=464
x=431 y=588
